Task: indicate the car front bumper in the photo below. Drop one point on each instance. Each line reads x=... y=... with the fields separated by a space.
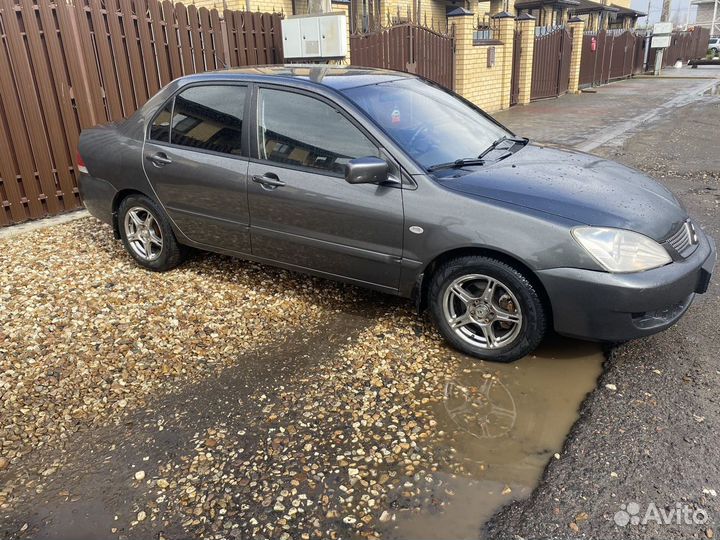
x=601 y=306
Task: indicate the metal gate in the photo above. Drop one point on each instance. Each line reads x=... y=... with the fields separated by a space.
x=515 y=78
x=407 y=47
x=551 y=64
x=608 y=55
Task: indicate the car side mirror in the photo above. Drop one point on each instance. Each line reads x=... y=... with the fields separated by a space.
x=366 y=170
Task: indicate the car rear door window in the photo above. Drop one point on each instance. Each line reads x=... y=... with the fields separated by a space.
x=160 y=129
x=209 y=117
x=298 y=130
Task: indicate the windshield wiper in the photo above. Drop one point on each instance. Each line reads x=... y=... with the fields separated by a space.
x=502 y=139
x=462 y=162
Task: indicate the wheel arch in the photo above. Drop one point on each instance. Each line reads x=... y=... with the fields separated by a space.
x=422 y=287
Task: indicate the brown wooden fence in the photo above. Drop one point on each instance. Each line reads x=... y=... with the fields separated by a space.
x=609 y=55
x=407 y=47
x=67 y=66
x=684 y=46
x=551 y=64
x=614 y=55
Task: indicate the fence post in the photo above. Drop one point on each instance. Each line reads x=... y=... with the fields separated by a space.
x=462 y=21
x=526 y=26
x=576 y=26
x=506 y=34
x=345 y=10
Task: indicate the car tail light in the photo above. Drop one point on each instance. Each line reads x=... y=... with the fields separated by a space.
x=81 y=164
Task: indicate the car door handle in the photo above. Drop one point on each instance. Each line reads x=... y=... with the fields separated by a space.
x=160 y=159
x=268 y=181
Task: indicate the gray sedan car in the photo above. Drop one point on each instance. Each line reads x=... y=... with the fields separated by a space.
x=384 y=180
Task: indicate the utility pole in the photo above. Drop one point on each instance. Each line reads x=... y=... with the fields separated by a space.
x=665 y=17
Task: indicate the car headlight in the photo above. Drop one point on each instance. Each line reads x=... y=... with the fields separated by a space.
x=618 y=250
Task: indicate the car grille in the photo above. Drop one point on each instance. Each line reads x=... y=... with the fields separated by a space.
x=684 y=241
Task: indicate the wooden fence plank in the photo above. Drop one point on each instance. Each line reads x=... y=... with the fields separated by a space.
x=206 y=33
x=137 y=72
x=79 y=87
x=106 y=64
x=196 y=39
x=149 y=57
x=44 y=187
x=89 y=77
x=59 y=152
x=219 y=41
x=173 y=44
x=13 y=194
x=17 y=136
x=119 y=58
x=185 y=44
x=159 y=41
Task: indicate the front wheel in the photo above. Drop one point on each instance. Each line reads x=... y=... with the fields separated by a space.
x=487 y=308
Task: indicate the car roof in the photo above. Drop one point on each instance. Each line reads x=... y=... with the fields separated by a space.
x=337 y=77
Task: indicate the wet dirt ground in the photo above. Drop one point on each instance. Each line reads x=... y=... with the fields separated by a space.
x=362 y=423
x=503 y=430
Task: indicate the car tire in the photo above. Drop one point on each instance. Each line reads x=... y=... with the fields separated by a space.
x=501 y=324
x=147 y=234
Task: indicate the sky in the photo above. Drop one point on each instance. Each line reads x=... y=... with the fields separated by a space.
x=678 y=11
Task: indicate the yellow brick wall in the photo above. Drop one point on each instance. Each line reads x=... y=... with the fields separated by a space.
x=576 y=30
x=431 y=13
x=271 y=6
x=527 y=46
x=487 y=87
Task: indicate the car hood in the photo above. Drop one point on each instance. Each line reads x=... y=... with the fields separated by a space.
x=574 y=185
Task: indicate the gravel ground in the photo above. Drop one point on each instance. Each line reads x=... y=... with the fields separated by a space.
x=276 y=406
x=86 y=334
x=95 y=348
x=649 y=433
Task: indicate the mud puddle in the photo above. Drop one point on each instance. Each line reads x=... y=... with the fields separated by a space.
x=500 y=425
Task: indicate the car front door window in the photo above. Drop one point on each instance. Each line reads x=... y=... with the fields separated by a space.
x=301 y=131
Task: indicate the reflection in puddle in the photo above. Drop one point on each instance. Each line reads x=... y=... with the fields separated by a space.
x=499 y=425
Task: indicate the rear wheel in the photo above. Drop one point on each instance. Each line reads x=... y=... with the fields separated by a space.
x=147 y=234
x=487 y=308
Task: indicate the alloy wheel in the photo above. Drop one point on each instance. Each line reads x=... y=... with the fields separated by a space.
x=143 y=233
x=482 y=311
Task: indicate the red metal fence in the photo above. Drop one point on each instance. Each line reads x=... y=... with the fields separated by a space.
x=67 y=66
x=551 y=64
x=407 y=47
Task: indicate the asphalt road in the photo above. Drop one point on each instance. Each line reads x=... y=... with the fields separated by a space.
x=649 y=433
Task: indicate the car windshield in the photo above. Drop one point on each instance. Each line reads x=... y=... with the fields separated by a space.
x=433 y=126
